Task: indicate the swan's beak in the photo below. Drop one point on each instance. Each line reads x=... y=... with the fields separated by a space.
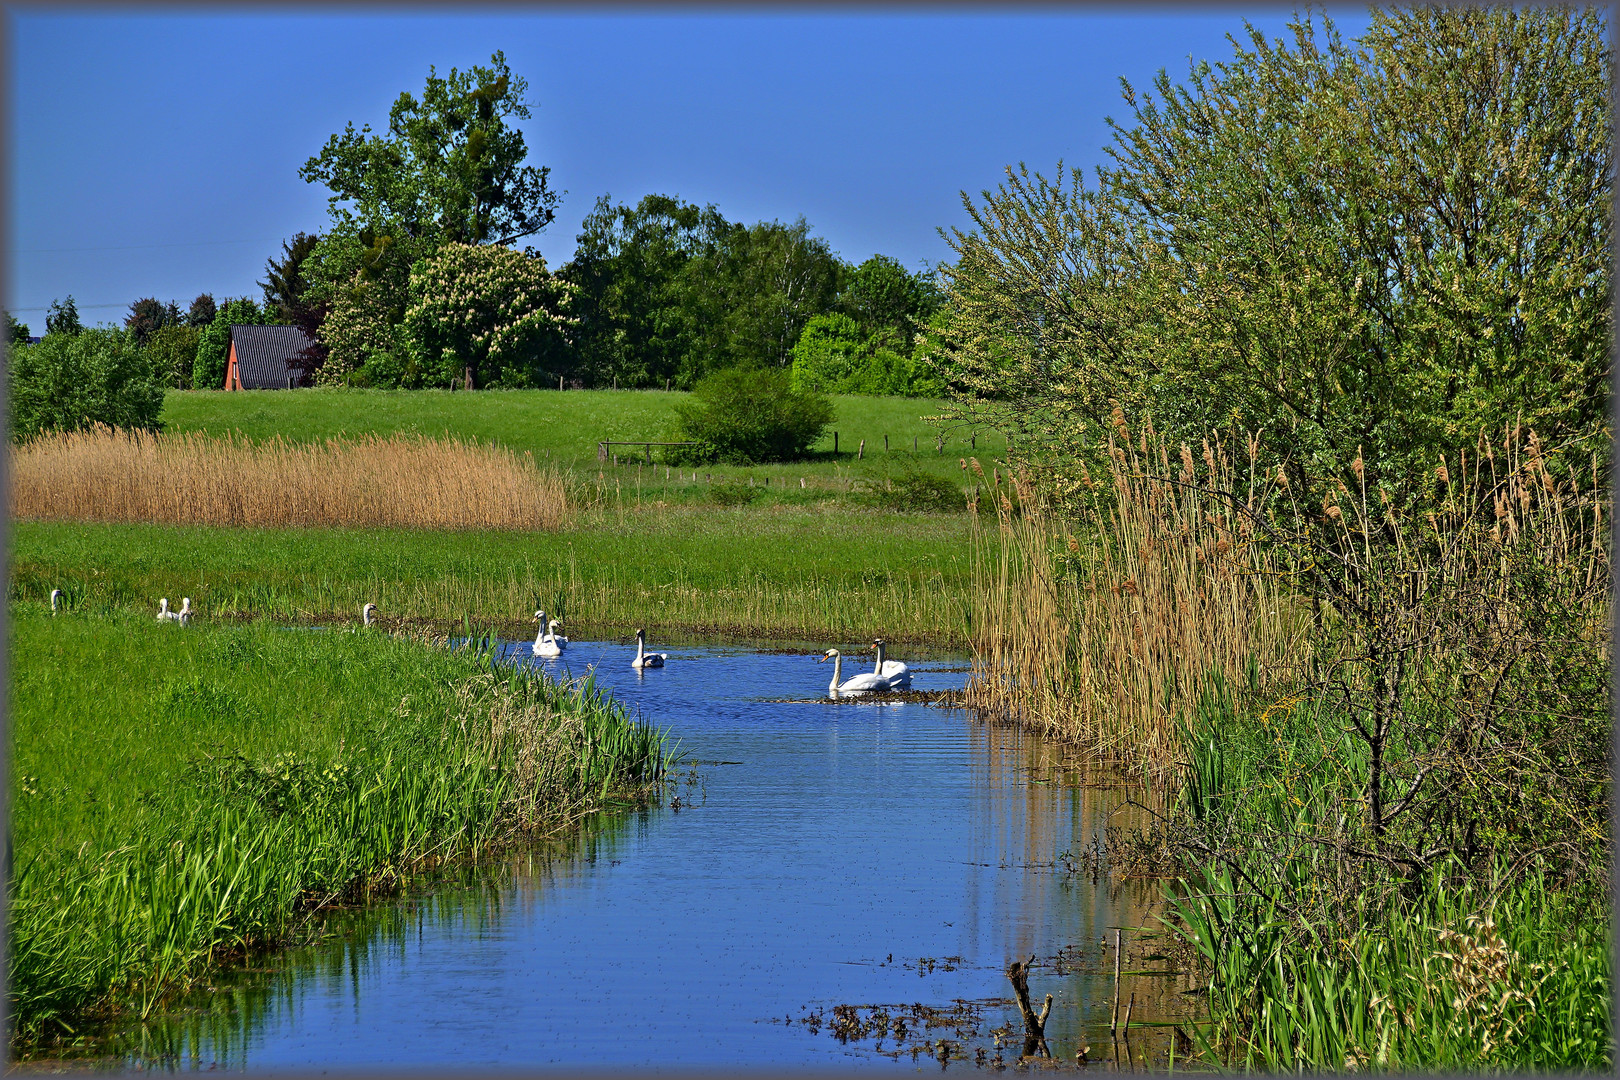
x=823 y=660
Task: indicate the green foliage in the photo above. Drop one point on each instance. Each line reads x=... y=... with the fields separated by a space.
x=1289 y=238
x=214 y=343
x=69 y=382
x=16 y=332
x=171 y=353
x=450 y=168
x=148 y=315
x=202 y=311
x=637 y=270
x=831 y=356
x=880 y=295
x=284 y=284
x=489 y=315
x=745 y=416
x=63 y=317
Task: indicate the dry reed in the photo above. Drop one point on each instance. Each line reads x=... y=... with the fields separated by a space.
x=1108 y=637
x=398 y=481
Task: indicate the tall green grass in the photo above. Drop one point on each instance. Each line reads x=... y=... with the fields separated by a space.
x=757 y=571
x=1318 y=955
x=184 y=795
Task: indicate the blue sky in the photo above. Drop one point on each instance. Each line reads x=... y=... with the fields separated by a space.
x=156 y=154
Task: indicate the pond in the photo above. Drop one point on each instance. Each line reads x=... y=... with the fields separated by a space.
x=819 y=870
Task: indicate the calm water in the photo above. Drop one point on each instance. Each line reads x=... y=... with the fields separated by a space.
x=824 y=854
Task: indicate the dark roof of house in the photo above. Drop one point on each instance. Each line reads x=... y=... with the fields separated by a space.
x=262 y=353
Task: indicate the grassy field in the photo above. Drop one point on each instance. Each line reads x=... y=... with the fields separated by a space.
x=183 y=795
x=763 y=571
x=565 y=427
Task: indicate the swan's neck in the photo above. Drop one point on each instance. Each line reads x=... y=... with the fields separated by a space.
x=641 y=648
x=879 y=668
x=838 y=661
x=540 y=634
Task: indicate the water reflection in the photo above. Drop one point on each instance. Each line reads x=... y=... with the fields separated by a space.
x=856 y=854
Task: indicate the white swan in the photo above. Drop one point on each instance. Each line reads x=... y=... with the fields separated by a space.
x=645 y=659
x=892 y=672
x=368 y=614
x=544 y=644
x=164 y=614
x=183 y=616
x=562 y=642
x=56 y=600
x=860 y=684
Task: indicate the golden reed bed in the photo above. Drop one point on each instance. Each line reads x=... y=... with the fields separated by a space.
x=400 y=481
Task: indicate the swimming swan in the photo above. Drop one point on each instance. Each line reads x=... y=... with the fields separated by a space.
x=892 y=672
x=645 y=659
x=863 y=683
x=562 y=642
x=544 y=644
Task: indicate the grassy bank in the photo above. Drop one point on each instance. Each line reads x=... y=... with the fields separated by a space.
x=563 y=428
x=181 y=795
x=758 y=570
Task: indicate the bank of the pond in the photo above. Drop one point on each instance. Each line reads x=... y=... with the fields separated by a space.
x=747 y=571
x=183 y=794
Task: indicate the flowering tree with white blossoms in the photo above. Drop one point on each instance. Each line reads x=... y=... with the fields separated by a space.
x=485 y=314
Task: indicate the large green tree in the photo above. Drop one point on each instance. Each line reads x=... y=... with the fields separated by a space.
x=637 y=324
x=1364 y=249
x=451 y=164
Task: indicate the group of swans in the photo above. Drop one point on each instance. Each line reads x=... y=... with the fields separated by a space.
x=546 y=642
x=887 y=675
x=183 y=616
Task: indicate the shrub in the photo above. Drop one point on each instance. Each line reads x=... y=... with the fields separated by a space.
x=749 y=416
x=733 y=493
x=913 y=490
x=70 y=382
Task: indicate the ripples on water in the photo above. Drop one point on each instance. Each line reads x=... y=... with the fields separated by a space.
x=851 y=853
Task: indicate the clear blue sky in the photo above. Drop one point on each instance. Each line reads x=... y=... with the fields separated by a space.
x=156 y=154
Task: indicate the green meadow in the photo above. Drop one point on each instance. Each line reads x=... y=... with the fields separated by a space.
x=565 y=427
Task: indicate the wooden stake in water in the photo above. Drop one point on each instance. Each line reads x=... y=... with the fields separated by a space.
x=1113 y=1024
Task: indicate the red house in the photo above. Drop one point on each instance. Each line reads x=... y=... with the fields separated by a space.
x=259 y=355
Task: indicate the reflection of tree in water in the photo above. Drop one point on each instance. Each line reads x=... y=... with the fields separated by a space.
x=216 y=1023
x=1050 y=831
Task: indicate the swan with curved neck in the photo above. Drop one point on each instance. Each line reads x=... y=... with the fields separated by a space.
x=368 y=614
x=183 y=616
x=544 y=643
x=164 y=614
x=645 y=659
x=895 y=675
x=56 y=600
x=562 y=642
x=863 y=683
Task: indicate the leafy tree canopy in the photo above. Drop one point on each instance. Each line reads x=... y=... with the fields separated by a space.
x=202 y=311
x=486 y=315
x=16 y=332
x=881 y=294
x=63 y=317
x=748 y=416
x=1373 y=250
x=450 y=166
x=148 y=315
